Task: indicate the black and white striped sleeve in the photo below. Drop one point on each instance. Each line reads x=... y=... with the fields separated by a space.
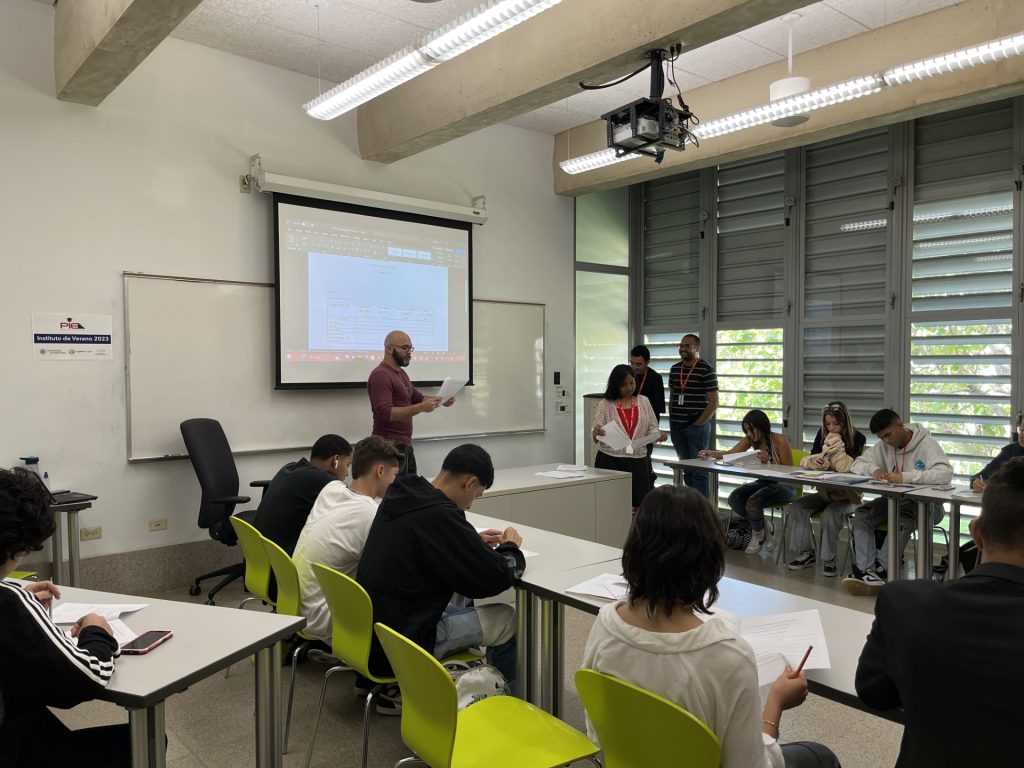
x=40 y=661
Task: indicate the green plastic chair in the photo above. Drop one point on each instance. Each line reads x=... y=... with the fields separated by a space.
x=257 y=566
x=351 y=633
x=498 y=732
x=289 y=603
x=639 y=729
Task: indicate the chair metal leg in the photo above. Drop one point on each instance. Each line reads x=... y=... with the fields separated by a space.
x=780 y=544
x=409 y=761
x=291 y=694
x=319 y=709
x=370 y=699
x=595 y=761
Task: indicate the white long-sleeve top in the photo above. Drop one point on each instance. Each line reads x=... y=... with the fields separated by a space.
x=334 y=534
x=708 y=671
x=922 y=461
x=647 y=425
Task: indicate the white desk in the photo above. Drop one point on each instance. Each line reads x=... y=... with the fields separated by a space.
x=206 y=639
x=924 y=495
x=594 y=506
x=556 y=554
x=845 y=629
x=892 y=496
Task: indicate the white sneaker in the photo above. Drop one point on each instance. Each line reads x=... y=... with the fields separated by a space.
x=756 y=542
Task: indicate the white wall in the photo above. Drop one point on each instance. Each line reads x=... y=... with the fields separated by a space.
x=148 y=182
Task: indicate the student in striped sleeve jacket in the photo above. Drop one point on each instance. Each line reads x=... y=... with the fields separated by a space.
x=40 y=665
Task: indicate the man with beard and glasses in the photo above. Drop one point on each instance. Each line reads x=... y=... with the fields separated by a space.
x=394 y=400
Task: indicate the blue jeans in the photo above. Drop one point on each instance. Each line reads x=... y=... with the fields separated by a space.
x=688 y=442
x=460 y=628
x=758 y=495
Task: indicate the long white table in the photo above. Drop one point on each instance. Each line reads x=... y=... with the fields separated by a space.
x=845 y=629
x=782 y=473
x=925 y=495
x=556 y=554
x=564 y=561
x=206 y=640
x=593 y=506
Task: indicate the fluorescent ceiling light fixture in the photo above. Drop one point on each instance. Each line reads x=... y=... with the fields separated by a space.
x=599 y=159
x=479 y=25
x=965 y=58
x=793 y=105
x=468 y=31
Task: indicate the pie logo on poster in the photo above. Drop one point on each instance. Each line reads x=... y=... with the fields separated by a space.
x=72 y=324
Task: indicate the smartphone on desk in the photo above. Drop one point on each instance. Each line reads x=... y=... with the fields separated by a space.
x=146 y=642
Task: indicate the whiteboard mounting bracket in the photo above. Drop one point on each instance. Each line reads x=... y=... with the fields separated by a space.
x=262 y=181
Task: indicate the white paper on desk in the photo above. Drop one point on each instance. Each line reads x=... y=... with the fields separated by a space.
x=450 y=388
x=966 y=495
x=122 y=633
x=571 y=468
x=783 y=638
x=773 y=473
x=744 y=457
x=844 y=477
x=614 y=437
x=69 y=613
x=528 y=553
x=606 y=585
x=779 y=639
x=560 y=473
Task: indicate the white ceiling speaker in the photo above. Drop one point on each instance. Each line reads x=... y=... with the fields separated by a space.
x=791 y=85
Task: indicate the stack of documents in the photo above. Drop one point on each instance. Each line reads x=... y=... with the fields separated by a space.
x=746 y=457
x=69 y=613
x=606 y=585
x=566 y=470
x=780 y=639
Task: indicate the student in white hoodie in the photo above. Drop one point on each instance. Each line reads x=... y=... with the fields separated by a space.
x=673 y=558
x=903 y=454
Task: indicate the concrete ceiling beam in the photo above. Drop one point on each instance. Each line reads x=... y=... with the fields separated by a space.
x=542 y=61
x=98 y=43
x=948 y=29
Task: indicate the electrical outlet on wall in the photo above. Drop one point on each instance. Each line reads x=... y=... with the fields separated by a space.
x=158 y=524
x=90 y=534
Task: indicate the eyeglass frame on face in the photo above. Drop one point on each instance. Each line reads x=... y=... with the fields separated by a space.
x=403 y=347
x=688 y=346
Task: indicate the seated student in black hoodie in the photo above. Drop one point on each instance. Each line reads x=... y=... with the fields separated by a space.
x=421 y=551
x=40 y=666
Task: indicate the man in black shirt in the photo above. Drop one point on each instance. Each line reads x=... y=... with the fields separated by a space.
x=693 y=400
x=649 y=384
x=930 y=640
x=288 y=499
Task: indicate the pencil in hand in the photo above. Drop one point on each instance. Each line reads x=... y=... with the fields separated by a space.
x=803 y=661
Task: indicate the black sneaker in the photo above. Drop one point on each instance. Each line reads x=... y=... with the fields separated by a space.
x=879 y=571
x=363 y=686
x=829 y=567
x=803 y=560
x=389 y=701
x=868 y=583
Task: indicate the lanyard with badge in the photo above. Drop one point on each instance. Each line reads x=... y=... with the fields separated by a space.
x=629 y=422
x=682 y=383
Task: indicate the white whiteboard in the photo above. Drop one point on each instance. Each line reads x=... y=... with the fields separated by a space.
x=203 y=348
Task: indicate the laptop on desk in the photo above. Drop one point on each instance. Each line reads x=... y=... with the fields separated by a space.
x=70 y=497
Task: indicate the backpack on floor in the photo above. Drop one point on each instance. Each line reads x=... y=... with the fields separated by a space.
x=476 y=681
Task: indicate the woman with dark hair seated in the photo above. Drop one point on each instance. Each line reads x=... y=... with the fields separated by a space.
x=633 y=413
x=673 y=560
x=751 y=499
x=40 y=666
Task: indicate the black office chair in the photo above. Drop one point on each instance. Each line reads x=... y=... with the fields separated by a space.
x=214 y=464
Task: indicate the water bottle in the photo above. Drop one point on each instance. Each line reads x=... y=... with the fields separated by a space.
x=32 y=464
x=46 y=479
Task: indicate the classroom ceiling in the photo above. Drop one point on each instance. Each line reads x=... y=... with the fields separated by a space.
x=351 y=35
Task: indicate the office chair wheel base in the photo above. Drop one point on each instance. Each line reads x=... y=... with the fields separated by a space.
x=209 y=601
x=195 y=590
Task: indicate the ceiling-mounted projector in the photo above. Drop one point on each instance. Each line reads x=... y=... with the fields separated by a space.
x=650 y=125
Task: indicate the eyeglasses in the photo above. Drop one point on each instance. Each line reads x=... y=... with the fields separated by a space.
x=837 y=407
x=688 y=346
x=404 y=347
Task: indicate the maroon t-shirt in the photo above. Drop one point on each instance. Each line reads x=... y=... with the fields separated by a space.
x=389 y=389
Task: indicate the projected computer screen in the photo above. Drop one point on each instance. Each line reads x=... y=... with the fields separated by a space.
x=348 y=275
